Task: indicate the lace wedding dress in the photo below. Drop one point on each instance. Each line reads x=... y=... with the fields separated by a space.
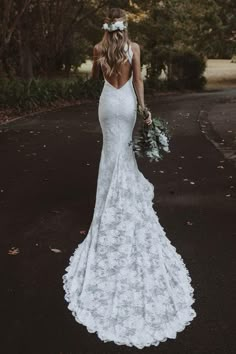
x=125 y=281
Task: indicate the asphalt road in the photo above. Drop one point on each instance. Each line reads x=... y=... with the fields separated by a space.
x=49 y=165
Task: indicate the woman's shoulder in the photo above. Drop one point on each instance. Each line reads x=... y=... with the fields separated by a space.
x=98 y=45
x=135 y=46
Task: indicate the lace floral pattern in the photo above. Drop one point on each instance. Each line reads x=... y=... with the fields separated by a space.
x=126 y=281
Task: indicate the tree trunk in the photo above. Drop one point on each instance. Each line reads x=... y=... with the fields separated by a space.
x=26 y=64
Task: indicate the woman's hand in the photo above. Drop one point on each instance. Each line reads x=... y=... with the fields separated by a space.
x=148 y=120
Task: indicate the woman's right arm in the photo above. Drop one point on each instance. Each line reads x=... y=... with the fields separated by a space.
x=137 y=74
x=137 y=78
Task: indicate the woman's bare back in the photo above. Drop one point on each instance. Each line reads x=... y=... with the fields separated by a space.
x=126 y=69
x=119 y=80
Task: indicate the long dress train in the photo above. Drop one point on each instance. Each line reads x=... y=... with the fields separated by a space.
x=125 y=281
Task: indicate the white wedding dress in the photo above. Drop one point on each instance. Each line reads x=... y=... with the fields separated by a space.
x=125 y=281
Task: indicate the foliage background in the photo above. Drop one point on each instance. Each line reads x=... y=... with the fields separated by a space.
x=49 y=39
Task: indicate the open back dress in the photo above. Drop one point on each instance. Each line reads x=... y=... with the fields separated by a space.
x=126 y=281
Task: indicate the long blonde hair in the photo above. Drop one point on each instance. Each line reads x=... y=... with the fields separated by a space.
x=112 y=53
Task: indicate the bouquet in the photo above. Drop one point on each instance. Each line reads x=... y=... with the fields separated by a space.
x=153 y=140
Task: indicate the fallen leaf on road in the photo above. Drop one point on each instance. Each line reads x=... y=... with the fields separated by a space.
x=13 y=251
x=228 y=195
x=192 y=182
x=189 y=223
x=55 y=211
x=55 y=250
x=82 y=232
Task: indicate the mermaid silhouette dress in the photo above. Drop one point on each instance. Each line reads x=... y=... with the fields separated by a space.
x=126 y=281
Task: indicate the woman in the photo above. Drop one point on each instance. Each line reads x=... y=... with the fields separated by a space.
x=125 y=281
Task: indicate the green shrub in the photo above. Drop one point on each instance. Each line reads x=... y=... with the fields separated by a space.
x=184 y=69
x=153 y=84
x=23 y=95
x=187 y=69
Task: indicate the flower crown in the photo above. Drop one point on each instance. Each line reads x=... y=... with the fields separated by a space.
x=113 y=26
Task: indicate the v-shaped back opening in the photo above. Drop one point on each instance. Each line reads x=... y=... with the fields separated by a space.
x=118 y=88
x=129 y=54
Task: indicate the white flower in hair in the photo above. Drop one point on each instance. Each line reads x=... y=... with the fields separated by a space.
x=114 y=26
x=105 y=26
x=119 y=25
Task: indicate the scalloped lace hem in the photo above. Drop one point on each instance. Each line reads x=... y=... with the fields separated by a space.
x=83 y=316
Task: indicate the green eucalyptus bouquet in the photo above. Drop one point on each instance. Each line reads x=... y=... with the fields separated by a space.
x=152 y=140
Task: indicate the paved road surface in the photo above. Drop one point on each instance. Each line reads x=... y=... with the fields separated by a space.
x=49 y=166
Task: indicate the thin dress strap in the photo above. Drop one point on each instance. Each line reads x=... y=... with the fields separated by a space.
x=129 y=52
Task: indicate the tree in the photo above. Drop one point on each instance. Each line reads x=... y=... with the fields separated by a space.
x=47 y=33
x=11 y=13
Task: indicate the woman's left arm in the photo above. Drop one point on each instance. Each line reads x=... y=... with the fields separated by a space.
x=96 y=66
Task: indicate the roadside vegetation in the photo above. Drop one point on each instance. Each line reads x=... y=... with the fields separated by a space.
x=44 y=43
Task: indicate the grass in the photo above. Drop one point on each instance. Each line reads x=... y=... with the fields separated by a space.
x=220 y=74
